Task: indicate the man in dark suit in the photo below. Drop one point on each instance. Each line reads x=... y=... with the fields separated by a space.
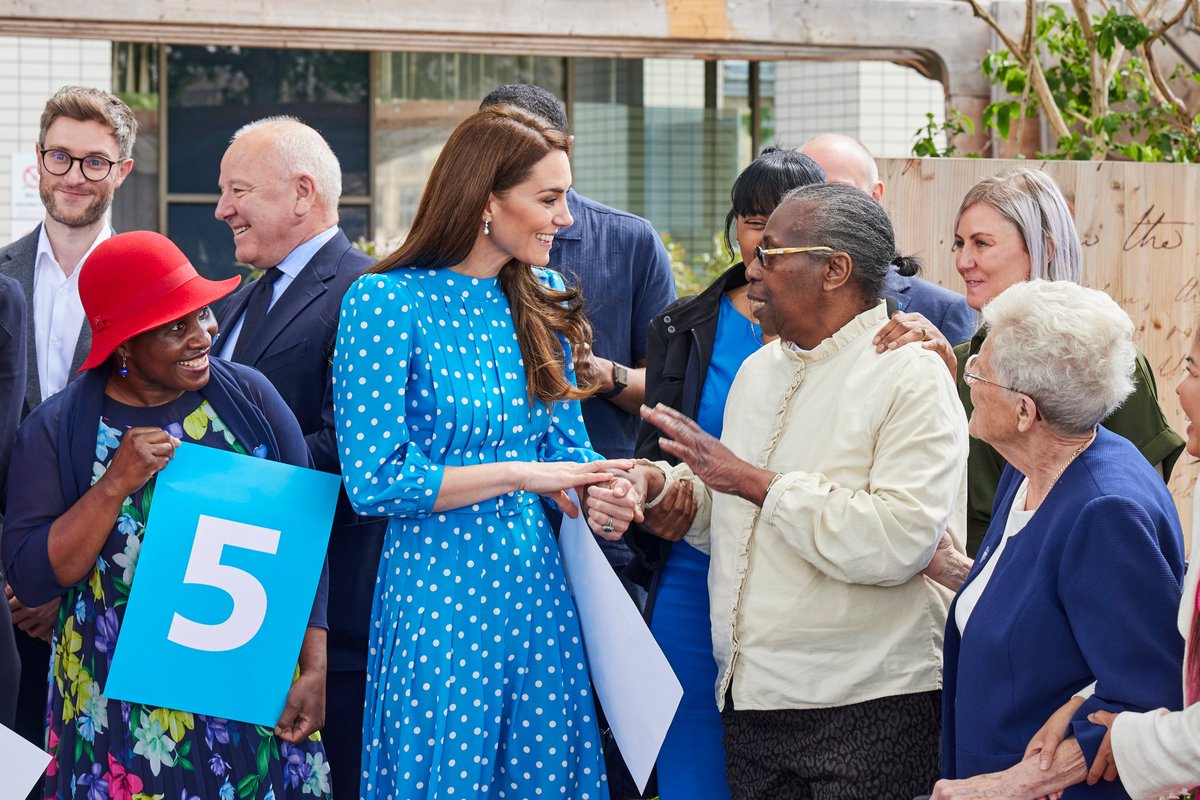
x=84 y=148
x=280 y=183
x=848 y=161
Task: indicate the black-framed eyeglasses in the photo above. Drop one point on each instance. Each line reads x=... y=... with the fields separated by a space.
x=94 y=168
x=761 y=254
x=970 y=376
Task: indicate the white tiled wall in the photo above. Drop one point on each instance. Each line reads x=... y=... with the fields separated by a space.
x=880 y=104
x=30 y=71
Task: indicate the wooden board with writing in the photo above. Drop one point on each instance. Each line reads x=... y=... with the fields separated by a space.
x=1140 y=228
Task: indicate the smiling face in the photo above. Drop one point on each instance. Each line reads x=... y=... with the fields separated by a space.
x=989 y=253
x=266 y=209
x=73 y=200
x=525 y=219
x=1188 y=390
x=171 y=358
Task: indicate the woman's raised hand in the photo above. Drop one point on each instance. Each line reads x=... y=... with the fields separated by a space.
x=143 y=452
x=552 y=478
x=903 y=328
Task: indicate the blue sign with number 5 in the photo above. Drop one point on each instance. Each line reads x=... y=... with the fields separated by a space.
x=224 y=586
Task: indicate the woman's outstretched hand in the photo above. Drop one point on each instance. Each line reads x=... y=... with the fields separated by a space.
x=551 y=479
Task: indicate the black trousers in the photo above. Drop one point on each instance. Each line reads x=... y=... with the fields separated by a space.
x=345 y=693
x=884 y=748
x=10 y=667
x=33 y=692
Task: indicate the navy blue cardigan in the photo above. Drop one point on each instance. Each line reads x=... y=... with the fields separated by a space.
x=1088 y=591
x=56 y=449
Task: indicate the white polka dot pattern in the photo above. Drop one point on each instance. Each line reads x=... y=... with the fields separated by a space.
x=477 y=684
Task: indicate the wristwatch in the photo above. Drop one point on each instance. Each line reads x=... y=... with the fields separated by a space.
x=620 y=377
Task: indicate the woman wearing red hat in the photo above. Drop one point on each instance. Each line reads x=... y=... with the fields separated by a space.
x=79 y=491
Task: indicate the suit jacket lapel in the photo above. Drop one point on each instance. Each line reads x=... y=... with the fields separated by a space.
x=231 y=311
x=307 y=287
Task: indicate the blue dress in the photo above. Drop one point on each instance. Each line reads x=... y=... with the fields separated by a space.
x=477 y=684
x=691 y=763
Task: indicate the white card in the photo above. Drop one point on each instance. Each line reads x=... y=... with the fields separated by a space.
x=21 y=765
x=636 y=686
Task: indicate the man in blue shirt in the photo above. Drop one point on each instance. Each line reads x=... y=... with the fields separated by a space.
x=619 y=261
x=848 y=161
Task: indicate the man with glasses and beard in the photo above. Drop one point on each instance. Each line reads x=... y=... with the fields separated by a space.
x=84 y=153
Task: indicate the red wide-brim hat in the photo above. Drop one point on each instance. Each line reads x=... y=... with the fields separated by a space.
x=135 y=282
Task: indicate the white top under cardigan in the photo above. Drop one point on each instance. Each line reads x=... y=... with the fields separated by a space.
x=1158 y=752
x=817 y=598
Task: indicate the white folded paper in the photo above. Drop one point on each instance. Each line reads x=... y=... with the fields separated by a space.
x=636 y=686
x=21 y=764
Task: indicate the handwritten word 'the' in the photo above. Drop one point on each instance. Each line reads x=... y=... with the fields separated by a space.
x=1155 y=232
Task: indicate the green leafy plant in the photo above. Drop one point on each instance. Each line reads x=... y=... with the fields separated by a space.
x=1096 y=79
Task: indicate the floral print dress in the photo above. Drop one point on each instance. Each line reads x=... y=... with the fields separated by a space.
x=113 y=750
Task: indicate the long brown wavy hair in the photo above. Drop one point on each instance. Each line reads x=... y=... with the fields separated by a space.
x=492 y=151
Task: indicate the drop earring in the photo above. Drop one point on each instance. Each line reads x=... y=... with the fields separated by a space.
x=487 y=231
x=123 y=370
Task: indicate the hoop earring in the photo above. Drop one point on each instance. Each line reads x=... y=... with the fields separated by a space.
x=123 y=370
x=487 y=231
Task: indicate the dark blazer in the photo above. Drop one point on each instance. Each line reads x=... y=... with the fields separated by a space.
x=946 y=309
x=1088 y=591
x=17 y=261
x=12 y=400
x=293 y=349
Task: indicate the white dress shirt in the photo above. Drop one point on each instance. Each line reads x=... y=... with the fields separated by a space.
x=289 y=268
x=57 y=313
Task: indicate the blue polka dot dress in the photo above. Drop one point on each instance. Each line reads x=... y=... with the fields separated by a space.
x=476 y=681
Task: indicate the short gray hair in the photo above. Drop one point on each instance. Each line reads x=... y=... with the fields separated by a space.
x=301 y=150
x=1068 y=347
x=848 y=220
x=1031 y=200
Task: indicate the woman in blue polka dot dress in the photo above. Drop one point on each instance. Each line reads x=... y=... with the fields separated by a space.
x=457 y=416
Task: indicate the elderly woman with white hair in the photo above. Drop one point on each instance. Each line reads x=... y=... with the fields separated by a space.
x=1078 y=579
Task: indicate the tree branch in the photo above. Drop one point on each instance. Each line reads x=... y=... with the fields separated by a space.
x=1012 y=46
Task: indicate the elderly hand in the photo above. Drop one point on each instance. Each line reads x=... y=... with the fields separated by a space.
x=1046 y=741
x=710 y=461
x=37 y=621
x=1103 y=765
x=672 y=517
x=611 y=508
x=992 y=786
x=949 y=567
x=143 y=452
x=552 y=478
x=903 y=328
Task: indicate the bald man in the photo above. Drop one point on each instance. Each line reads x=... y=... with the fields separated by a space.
x=848 y=161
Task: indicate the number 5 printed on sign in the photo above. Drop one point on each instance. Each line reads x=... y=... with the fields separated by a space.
x=205 y=568
x=223 y=593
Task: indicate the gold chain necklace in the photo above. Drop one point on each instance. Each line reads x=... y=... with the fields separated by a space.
x=1071 y=460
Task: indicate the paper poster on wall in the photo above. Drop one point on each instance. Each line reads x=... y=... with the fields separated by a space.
x=25 y=207
x=225 y=582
